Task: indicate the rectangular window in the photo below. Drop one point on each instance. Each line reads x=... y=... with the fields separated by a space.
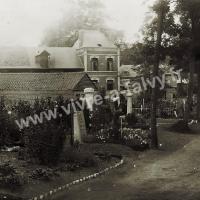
x=95 y=81
x=110 y=64
x=95 y=64
x=110 y=85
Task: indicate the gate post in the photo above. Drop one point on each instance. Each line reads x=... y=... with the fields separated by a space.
x=89 y=97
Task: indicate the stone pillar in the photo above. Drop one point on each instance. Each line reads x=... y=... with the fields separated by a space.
x=89 y=98
x=129 y=96
x=77 y=132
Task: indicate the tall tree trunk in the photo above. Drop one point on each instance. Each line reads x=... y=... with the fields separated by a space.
x=189 y=102
x=154 y=96
x=198 y=91
x=188 y=107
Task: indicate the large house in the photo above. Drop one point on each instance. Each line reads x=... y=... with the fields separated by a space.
x=129 y=76
x=100 y=58
x=33 y=70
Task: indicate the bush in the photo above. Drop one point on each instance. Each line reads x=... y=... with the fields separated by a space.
x=137 y=139
x=6 y=169
x=103 y=135
x=10 y=133
x=89 y=139
x=101 y=118
x=180 y=127
x=44 y=143
x=14 y=180
x=79 y=157
x=136 y=121
x=10 y=178
x=131 y=120
x=10 y=197
x=43 y=174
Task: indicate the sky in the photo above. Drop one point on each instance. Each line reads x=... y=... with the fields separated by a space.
x=24 y=22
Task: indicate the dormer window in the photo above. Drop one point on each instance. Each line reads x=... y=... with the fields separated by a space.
x=95 y=64
x=43 y=59
x=110 y=64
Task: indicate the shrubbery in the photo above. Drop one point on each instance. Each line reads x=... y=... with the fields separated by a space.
x=138 y=139
x=9 y=133
x=136 y=121
x=43 y=174
x=78 y=158
x=106 y=128
x=43 y=142
x=180 y=127
x=10 y=178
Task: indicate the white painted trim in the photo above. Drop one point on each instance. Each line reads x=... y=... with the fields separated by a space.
x=110 y=79
x=99 y=48
x=103 y=54
x=104 y=71
x=107 y=57
x=91 y=75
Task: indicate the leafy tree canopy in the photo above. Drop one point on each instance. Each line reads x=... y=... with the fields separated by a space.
x=84 y=14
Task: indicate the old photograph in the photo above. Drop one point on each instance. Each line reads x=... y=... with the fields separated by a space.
x=99 y=99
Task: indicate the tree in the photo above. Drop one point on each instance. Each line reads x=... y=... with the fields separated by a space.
x=189 y=11
x=179 y=42
x=83 y=15
x=161 y=8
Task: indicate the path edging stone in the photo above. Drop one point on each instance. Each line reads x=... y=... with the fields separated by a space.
x=76 y=182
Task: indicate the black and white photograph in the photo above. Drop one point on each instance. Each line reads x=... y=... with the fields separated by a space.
x=99 y=99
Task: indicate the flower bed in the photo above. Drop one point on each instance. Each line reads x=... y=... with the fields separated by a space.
x=103 y=135
x=137 y=139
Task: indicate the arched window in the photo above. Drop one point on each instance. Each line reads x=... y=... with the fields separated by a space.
x=110 y=64
x=95 y=64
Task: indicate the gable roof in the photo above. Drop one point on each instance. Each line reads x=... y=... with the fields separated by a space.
x=24 y=57
x=44 y=81
x=94 y=38
x=44 y=53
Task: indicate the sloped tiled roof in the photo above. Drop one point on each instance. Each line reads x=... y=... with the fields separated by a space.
x=24 y=57
x=94 y=38
x=41 y=81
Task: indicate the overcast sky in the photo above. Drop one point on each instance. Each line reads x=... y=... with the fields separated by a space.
x=23 y=22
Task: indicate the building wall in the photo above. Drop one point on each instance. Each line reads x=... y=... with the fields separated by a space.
x=102 y=54
x=102 y=78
